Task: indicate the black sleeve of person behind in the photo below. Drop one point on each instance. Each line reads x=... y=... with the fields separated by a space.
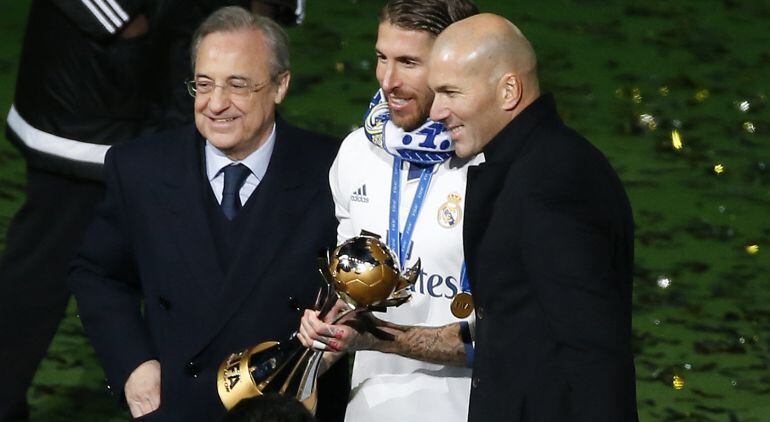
x=100 y=19
x=286 y=12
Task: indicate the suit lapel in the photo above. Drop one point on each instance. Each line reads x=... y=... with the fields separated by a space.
x=483 y=186
x=282 y=197
x=181 y=194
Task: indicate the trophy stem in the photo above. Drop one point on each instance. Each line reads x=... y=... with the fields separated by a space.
x=301 y=362
x=342 y=315
x=307 y=385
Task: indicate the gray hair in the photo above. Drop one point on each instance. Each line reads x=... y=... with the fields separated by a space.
x=234 y=18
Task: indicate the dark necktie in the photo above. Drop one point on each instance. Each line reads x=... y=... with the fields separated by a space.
x=235 y=175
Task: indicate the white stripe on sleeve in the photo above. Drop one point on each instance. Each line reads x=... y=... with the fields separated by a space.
x=299 y=12
x=110 y=14
x=119 y=10
x=69 y=149
x=98 y=15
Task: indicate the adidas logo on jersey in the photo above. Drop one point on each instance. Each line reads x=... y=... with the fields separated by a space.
x=359 y=195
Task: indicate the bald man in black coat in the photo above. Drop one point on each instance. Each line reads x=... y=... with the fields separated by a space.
x=548 y=238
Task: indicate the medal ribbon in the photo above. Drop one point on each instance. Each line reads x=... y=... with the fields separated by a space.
x=465 y=285
x=398 y=242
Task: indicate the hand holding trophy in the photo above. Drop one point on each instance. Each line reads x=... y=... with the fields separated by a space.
x=366 y=275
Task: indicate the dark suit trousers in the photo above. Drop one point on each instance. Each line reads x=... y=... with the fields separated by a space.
x=41 y=242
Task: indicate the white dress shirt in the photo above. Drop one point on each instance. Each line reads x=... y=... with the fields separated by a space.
x=257 y=162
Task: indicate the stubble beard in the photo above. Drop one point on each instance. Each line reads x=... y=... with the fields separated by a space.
x=411 y=121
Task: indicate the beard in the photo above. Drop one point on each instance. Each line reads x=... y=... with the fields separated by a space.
x=408 y=121
x=413 y=116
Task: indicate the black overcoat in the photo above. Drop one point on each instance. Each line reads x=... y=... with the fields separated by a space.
x=549 y=248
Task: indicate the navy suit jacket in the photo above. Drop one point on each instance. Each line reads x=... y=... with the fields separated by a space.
x=548 y=238
x=151 y=242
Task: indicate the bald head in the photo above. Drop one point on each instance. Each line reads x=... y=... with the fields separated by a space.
x=489 y=43
x=487 y=54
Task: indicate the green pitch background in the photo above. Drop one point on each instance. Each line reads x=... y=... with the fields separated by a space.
x=625 y=74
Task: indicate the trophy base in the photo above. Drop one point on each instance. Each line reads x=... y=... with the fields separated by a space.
x=269 y=367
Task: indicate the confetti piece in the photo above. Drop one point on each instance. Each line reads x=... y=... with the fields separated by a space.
x=648 y=120
x=752 y=249
x=719 y=168
x=676 y=140
x=702 y=95
x=677 y=382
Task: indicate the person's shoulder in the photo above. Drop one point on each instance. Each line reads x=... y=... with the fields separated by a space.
x=563 y=160
x=149 y=153
x=555 y=146
x=310 y=150
x=358 y=147
x=305 y=138
x=355 y=140
x=151 y=144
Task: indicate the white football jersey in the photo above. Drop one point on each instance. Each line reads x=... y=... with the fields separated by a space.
x=388 y=387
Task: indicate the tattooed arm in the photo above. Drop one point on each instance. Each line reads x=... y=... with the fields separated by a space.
x=443 y=345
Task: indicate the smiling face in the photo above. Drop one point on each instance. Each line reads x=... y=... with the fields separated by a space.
x=236 y=125
x=467 y=103
x=483 y=73
x=402 y=71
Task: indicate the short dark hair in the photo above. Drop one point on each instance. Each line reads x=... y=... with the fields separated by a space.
x=269 y=408
x=426 y=15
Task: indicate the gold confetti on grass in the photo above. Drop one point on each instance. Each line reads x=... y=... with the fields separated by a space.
x=676 y=140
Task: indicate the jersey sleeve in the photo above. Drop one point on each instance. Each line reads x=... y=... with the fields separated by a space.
x=339 y=187
x=100 y=19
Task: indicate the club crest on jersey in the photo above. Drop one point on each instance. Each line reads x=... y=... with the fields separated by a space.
x=450 y=212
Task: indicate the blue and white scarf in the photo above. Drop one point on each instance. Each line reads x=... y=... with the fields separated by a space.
x=428 y=144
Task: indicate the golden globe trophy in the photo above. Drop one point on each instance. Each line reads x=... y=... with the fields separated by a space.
x=366 y=275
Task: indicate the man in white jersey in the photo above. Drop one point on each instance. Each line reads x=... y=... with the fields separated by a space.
x=419 y=369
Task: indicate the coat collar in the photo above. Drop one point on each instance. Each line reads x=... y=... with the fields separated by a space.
x=508 y=143
x=486 y=180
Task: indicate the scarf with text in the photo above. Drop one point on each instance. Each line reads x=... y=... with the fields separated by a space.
x=428 y=144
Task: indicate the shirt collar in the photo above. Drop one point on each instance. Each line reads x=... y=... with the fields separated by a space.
x=257 y=161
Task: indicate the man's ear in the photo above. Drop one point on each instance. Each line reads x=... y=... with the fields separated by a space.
x=283 y=87
x=510 y=90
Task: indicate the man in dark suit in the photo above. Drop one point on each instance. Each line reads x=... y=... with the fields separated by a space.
x=548 y=238
x=91 y=75
x=214 y=228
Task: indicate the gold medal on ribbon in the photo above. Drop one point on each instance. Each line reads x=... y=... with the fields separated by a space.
x=462 y=305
